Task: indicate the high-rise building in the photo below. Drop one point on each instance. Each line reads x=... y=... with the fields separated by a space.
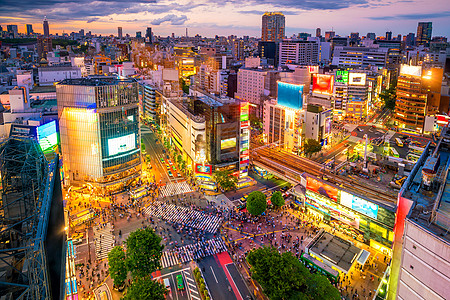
x=299 y=52
x=388 y=35
x=273 y=26
x=354 y=38
x=410 y=39
x=29 y=29
x=238 y=49
x=318 y=32
x=149 y=35
x=44 y=46
x=410 y=106
x=329 y=35
x=424 y=31
x=359 y=57
x=269 y=51
x=119 y=32
x=46 y=28
x=99 y=131
x=138 y=34
x=371 y=36
x=12 y=30
x=81 y=32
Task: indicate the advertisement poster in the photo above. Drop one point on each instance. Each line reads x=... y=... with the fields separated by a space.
x=323 y=84
x=322 y=188
x=360 y=205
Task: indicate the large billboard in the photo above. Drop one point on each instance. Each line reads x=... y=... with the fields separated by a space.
x=322 y=188
x=411 y=70
x=47 y=135
x=203 y=169
x=342 y=76
x=290 y=95
x=360 y=205
x=228 y=143
x=357 y=79
x=121 y=144
x=323 y=84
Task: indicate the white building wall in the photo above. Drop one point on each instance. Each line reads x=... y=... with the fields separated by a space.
x=250 y=85
x=52 y=75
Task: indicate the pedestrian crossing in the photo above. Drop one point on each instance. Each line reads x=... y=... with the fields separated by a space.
x=103 y=239
x=185 y=216
x=190 y=285
x=174 y=188
x=191 y=252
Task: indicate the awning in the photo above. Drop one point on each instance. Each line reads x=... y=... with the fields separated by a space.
x=363 y=257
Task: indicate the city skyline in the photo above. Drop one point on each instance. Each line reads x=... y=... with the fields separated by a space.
x=209 y=18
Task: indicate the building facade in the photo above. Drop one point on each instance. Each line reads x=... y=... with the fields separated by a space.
x=359 y=57
x=424 y=32
x=299 y=52
x=99 y=131
x=273 y=27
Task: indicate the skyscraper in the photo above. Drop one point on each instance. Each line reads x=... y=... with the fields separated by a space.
x=424 y=31
x=388 y=35
x=329 y=35
x=318 y=32
x=119 y=32
x=238 y=49
x=371 y=36
x=273 y=26
x=29 y=29
x=149 y=35
x=138 y=34
x=12 y=30
x=99 y=130
x=410 y=39
x=46 y=29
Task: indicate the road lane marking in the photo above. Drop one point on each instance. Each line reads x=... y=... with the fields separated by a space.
x=214 y=274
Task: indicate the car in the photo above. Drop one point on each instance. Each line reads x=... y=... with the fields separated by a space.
x=166 y=283
x=180 y=283
x=162 y=159
x=168 y=167
x=170 y=174
x=174 y=168
x=359 y=129
x=170 y=162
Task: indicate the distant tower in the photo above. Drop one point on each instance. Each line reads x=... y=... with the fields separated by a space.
x=29 y=29
x=149 y=35
x=318 y=32
x=424 y=31
x=273 y=27
x=119 y=32
x=46 y=29
x=388 y=35
x=186 y=32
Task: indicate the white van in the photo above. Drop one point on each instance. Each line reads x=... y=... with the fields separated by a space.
x=167 y=283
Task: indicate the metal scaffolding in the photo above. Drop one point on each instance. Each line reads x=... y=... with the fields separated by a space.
x=27 y=187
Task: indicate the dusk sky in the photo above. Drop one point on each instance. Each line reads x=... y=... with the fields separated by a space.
x=240 y=17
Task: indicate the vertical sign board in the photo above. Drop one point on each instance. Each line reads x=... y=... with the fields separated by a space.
x=244 y=141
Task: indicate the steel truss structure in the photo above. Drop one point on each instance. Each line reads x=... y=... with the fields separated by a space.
x=27 y=188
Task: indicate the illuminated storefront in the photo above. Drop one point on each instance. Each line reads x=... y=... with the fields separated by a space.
x=244 y=157
x=364 y=220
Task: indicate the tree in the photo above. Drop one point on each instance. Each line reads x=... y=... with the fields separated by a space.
x=389 y=96
x=144 y=288
x=256 y=203
x=117 y=265
x=280 y=275
x=319 y=287
x=312 y=146
x=277 y=199
x=144 y=252
x=225 y=180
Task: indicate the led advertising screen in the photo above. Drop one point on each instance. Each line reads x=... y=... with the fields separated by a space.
x=203 y=169
x=357 y=79
x=341 y=76
x=228 y=143
x=321 y=188
x=359 y=205
x=323 y=84
x=47 y=135
x=411 y=70
x=121 y=144
x=290 y=95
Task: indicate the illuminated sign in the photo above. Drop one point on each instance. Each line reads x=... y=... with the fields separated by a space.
x=290 y=95
x=47 y=135
x=203 y=169
x=411 y=70
x=121 y=144
x=341 y=76
x=360 y=205
x=313 y=69
x=228 y=143
x=244 y=117
x=323 y=84
x=357 y=79
x=244 y=140
x=322 y=188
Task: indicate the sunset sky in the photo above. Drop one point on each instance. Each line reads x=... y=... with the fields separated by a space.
x=240 y=17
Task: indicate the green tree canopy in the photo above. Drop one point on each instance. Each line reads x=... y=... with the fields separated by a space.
x=389 y=96
x=225 y=180
x=256 y=203
x=144 y=288
x=312 y=146
x=277 y=199
x=283 y=276
x=280 y=275
x=144 y=252
x=117 y=265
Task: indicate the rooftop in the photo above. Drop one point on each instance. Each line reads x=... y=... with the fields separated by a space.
x=97 y=81
x=428 y=186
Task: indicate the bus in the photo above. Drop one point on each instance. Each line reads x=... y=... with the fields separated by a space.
x=320 y=267
x=399 y=142
x=394 y=152
x=138 y=193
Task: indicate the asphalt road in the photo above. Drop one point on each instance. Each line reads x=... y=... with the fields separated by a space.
x=216 y=279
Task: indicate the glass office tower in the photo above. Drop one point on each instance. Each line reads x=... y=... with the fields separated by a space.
x=99 y=131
